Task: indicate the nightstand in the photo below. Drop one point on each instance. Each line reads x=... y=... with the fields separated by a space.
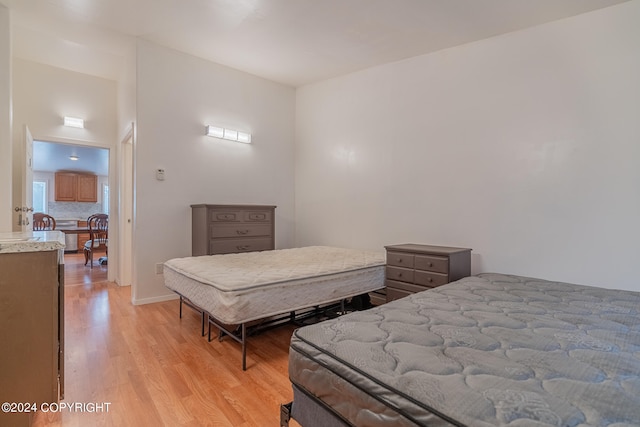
x=413 y=268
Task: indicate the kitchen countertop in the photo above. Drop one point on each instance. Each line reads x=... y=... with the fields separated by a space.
x=31 y=241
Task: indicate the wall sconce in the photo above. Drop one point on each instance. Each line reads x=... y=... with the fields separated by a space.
x=229 y=134
x=73 y=122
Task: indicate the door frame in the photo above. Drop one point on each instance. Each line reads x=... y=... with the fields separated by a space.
x=114 y=254
x=126 y=207
x=24 y=208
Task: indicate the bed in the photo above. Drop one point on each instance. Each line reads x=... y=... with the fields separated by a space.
x=232 y=291
x=487 y=350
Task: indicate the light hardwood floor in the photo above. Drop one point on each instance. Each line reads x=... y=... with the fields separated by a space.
x=155 y=369
x=76 y=273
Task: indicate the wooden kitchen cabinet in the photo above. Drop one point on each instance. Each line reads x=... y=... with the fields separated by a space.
x=76 y=187
x=66 y=186
x=87 y=188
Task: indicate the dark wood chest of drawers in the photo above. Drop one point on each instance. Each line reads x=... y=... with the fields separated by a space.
x=225 y=229
x=413 y=268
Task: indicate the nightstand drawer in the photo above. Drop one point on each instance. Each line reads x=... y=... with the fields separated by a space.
x=409 y=287
x=401 y=274
x=394 y=294
x=430 y=279
x=400 y=259
x=432 y=263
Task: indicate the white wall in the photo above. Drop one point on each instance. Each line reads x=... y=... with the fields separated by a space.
x=524 y=147
x=6 y=211
x=43 y=95
x=126 y=99
x=177 y=95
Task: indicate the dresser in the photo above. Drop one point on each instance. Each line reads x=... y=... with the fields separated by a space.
x=225 y=229
x=413 y=268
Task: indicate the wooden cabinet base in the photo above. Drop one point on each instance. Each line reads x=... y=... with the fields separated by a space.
x=32 y=335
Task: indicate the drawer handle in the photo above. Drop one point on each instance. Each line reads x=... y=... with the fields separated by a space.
x=242 y=231
x=400 y=260
x=430 y=264
x=399 y=274
x=430 y=280
x=242 y=248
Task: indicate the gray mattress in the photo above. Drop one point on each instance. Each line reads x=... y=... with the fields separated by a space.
x=488 y=350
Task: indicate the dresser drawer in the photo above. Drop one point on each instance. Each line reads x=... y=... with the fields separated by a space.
x=239 y=230
x=225 y=216
x=227 y=246
x=399 y=273
x=400 y=259
x=432 y=263
x=257 y=216
x=430 y=279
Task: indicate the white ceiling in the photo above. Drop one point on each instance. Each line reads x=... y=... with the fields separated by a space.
x=53 y=157
x=294 y=42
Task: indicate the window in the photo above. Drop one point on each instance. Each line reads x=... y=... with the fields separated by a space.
x=40 y=196
x=105 y=198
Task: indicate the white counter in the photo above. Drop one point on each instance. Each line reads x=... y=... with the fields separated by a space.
x=31 y=241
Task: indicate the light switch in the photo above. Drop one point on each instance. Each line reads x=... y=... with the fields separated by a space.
x=160 y=174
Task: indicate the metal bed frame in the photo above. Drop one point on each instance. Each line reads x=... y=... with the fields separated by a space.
x=242 y=331
x=188 y=303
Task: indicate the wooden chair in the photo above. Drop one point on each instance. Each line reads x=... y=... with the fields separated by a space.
x=98 y=225
x=42 y=221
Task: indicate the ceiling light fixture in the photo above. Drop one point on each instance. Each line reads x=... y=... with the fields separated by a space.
x=74 y=122
x=229 y=134
x=74 y=158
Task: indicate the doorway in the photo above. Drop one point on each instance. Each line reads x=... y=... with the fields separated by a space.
x=54 y=163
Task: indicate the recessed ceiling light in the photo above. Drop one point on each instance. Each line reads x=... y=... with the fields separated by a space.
x=74 y=158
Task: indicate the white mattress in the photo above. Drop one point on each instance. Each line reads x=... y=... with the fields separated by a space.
x=238 y=288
